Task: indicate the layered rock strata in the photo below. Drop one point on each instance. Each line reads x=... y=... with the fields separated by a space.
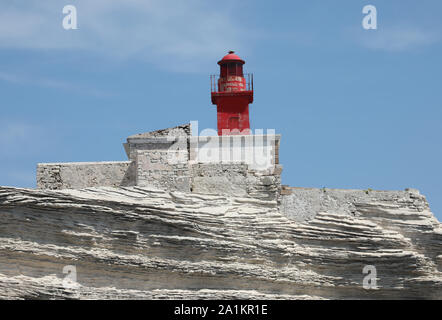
x=142 y=243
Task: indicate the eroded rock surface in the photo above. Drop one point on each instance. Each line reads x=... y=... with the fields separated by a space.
x=142 y=243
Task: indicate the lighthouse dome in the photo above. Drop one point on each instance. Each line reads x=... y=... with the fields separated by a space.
x=231 y=57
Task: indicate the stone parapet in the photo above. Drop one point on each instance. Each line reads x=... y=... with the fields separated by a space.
x=78 y=175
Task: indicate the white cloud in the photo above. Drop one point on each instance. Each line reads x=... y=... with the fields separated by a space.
x=166 y=33
x=27 y=79
x=396 y=39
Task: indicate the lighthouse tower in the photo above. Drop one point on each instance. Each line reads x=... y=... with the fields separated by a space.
x=232 y=94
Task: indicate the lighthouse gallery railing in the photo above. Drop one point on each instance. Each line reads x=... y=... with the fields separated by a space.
x=214 y=82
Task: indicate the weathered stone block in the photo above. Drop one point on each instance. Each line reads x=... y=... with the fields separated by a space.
x=77 y=175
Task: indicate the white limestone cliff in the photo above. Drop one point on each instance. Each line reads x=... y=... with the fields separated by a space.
x=141 y=243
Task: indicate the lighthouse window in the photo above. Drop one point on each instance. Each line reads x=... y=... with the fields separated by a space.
x=235 y=69
x=232 y=69
x=223 y=71
x=239 y=69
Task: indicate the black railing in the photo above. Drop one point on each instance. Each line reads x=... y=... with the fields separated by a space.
x=214 y=82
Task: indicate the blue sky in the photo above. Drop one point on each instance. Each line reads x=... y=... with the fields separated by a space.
x=356 y=108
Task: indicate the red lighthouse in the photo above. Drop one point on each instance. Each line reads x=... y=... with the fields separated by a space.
x=232 y=95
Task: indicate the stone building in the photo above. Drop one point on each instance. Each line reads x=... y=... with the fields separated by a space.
x=172 y=159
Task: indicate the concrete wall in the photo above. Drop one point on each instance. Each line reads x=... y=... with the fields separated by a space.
x=235 y=180
x=166 y=139
x=163 y=169
x=161 y=144
x=77 y=175
x=226 y=165
x=259 y=152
